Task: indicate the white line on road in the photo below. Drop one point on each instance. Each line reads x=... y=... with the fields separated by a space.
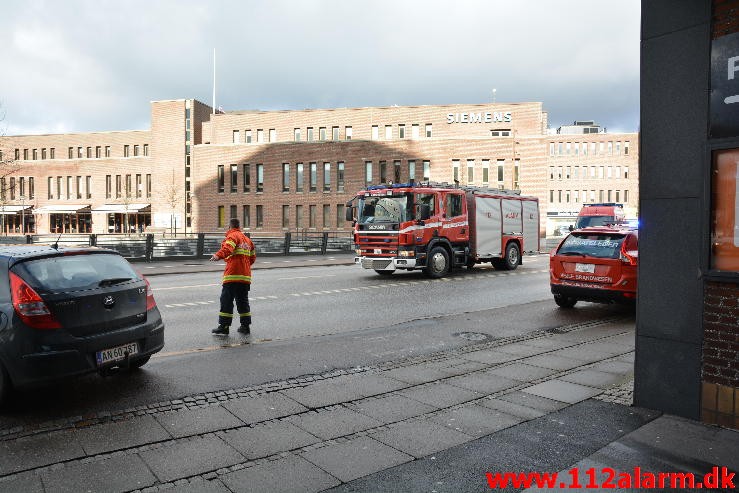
x=304 y=277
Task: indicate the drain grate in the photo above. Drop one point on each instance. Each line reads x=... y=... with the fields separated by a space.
x=474 y=336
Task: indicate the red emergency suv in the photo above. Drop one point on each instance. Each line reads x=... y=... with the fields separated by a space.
x=595 y=264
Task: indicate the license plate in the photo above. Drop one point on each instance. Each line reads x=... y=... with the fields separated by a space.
x=116 y=354
x=589 y=268
x=378 y=251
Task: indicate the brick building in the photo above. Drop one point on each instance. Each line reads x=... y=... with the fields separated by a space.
x=295 y=170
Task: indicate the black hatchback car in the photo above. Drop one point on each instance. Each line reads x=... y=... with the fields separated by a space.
x=70 y=311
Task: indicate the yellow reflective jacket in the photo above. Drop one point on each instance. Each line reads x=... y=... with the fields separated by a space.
x=239 y=253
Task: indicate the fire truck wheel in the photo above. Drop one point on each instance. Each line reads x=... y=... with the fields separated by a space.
x=564 y=301
x=385 y=272
x=437 y=264
x=512 y=257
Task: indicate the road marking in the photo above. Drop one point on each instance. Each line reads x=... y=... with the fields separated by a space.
x=187 y=287
x=304 y=277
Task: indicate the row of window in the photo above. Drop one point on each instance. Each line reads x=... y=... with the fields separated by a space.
x=290 y=219
x=484 y=169
x=588 y=148
x=12 y=187
x=139 y=190
x=392 y=172
x=306 y=177
x=79 y=152
x=582 y=172
x=333 y=133
x=574 y=196
x=70 y=187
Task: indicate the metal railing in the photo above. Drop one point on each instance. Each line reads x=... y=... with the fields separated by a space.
x=150 y=246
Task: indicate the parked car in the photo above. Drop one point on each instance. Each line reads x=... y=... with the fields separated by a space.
x=595 y=264
x=70 y=311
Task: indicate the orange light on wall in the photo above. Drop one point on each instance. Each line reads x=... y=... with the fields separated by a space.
x=725 y=211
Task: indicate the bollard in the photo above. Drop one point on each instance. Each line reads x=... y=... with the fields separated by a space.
x=286 y=249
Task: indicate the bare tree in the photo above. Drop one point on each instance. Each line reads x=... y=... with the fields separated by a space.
x=172 y=196
x=9 y=165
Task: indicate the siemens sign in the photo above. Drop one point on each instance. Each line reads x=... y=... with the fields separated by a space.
x=480 y=117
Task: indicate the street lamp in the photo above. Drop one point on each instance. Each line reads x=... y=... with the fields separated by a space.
x=23 y=214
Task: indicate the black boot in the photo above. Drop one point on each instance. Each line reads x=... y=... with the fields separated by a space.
x=244 y=329
x=221 y=330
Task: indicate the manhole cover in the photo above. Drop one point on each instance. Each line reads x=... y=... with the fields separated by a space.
x=473 y=336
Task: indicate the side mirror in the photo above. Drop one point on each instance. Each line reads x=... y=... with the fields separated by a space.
x=349 y=214
x=424 y=211
x=571 y=227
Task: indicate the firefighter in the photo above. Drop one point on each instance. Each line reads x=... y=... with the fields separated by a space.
x=239 y=253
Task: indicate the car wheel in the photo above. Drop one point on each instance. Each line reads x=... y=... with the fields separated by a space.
x=138 y=363
x=385 y=272
x=564 y=301
x=512 y=257
x=437 y=263
x=4 y=385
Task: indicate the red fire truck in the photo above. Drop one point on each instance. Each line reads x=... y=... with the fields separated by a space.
x=436 y=227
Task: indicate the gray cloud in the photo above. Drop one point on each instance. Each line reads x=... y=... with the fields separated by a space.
x=95 y=65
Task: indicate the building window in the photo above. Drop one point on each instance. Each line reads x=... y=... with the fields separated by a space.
x=335 y=133
x=567 y=172
x=415 y=131
x=485 y=171
x=313 y=177
x=148 y=186
x=146 y=149
x=401 y=131
x=296 y=135
x=340 y=219
x=221 y=215
x=516 y=173
x=426 y=170
x=260 y=136
x=107 y=151
x=51 y=153
x=221 y=178
x=236 y=136
x=326 y=177
x=260 y=178
x=455 y=170
x=609 y=172
x=128 y=185
x=59 y=187
x=136 y=150
x=559 y=148
x=626 y=171
x=368 y=172
x=411 y=170
x=234 y=178
x=108 y=186
x=35 y=154
x=126 y=150
x=551 y=148
x=326 y=216
x=285 y=216
x=610 y=148
x=396 y=171
x=312 y=216
x=501 y=169
x=88 y=186
x=618 y=148
x=310 y=134
x=375 y=132
x=340 y=176
x=383 y=171
x=506 y=132
x=568 y=147
x=348 y=133
x=246 y=223
x=70 y=153
x=322 y=133
x=470 y=171
x=601 y=171
x=626 y=148
x=285 y=177
x=272 y=135
x=260 y=216
x=429 y=128
x=551 y=172
x=49 y=186
x=246 y=172
x=299 y=216
x=388 y=132
x=247 y=136
x=78 y=182
x=299 y=177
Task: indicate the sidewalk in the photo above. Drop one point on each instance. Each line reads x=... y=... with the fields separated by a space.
x=549 y=401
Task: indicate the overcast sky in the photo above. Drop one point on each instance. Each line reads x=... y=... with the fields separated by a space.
x=80 y=66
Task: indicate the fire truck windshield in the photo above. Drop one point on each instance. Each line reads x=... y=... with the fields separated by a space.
x=385 y=208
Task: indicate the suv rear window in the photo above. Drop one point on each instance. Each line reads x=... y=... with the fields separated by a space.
x=599 y=245
x=592 y=221
x=75 y=272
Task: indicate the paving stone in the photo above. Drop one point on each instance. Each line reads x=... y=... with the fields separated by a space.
x=549 y=343
x=562 y=391
x=615 y=366
x=119 y=435
x=587 y=353
x=628 y=357
x=521 y=350
x=27 y=482
x=417 y=374
x=521 y=372
x=268 y=439
x=39 y=450
x=533 y=401
x=333 y=423
x=464 y=368
x=490 y=356
x=390 y=408
x=440 y=394
x=512 y=409
x=202 y=486
x=482 y=382
x=420 y=438
x=190 y=457
x=553 y=362
x=342 y=389
x=197 y=421
x=263 y=407
x=593 y=378
x=356 y=458
x=475 y=421
x=292 y=474
x=116 y=474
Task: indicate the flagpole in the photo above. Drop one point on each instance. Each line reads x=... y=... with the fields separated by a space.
x=214 y=81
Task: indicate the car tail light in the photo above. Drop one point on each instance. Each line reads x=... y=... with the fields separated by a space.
x=150 y=302
x=29 y=306
x=628 y=256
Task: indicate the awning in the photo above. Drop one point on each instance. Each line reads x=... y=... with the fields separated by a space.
x=62 y=209
x=122 y=208
x=14 y=209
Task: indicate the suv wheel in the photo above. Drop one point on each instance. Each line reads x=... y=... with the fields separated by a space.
x=437 y=263
x=564 y=301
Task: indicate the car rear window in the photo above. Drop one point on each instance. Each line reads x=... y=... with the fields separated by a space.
x=75 y=272
x=600 y=245
x=593 y=221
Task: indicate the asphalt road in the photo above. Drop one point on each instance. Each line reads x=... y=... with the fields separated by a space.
x=308 y=321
